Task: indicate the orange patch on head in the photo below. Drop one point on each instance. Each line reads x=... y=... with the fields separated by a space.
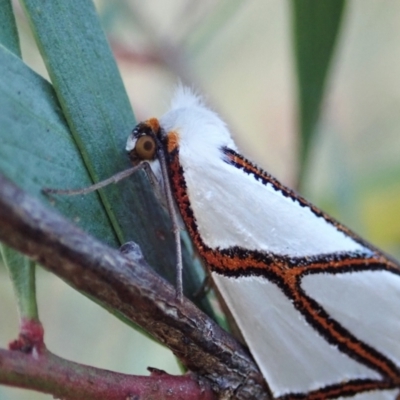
x=172 y=141
x=154 y=124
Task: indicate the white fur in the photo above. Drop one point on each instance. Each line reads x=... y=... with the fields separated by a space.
x=201 y=131
x=232 y=208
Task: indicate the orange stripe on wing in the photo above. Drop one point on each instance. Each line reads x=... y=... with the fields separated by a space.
x=283 y=272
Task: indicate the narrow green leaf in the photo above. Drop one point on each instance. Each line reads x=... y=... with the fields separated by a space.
x=93 y=99
x=8 y=28
x=20 y=268
x=315 y=28
x=22 y=273
x=96 y=110
x=95 y=104
x=37 y=149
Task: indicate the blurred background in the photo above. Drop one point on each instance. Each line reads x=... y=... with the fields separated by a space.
x=240 y=55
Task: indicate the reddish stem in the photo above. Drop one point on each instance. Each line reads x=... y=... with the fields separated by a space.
x=30 y=365
x=48 y=373
x=31 y=335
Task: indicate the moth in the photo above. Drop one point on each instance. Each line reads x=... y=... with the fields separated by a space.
x=318 y=306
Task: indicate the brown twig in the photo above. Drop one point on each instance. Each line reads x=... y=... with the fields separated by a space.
x=30 y=365
x=64 y=379
x=131 y=288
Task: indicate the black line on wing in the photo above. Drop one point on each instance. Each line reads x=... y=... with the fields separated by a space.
x=286 y=272
x=238 y=161
x=347 y=389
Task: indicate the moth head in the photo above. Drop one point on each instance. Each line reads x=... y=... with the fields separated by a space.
x=142 y=142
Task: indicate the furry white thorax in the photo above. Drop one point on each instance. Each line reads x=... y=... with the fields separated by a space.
x=201 y=131
x=232 y=208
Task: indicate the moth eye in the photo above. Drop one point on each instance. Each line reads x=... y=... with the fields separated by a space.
x=145 y=147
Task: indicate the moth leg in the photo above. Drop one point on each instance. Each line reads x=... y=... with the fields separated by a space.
x=154 y=182
x=175 y=222
x=156 y=185
x=164 y=196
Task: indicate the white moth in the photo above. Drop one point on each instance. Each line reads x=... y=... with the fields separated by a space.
x=318 y=307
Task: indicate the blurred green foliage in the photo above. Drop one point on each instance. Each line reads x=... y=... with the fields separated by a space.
x=72 y=131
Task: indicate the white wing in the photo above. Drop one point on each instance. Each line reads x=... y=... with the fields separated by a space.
x=290 y=353
x=366 y=303
x=235 y=207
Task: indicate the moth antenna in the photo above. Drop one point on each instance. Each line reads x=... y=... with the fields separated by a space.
x=113 y=179
x=170 y=205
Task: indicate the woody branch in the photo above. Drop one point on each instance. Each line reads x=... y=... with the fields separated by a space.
x=131 y=288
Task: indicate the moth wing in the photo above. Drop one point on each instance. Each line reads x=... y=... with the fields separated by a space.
x=366 y=303
x=235 y=207
x=292 y=355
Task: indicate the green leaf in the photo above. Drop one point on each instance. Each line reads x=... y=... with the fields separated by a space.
x=8 y=28
x=33 y=159
x=94 y=102
x=315 y=28
x=37 y=149
x=89 y=88
x=20 y=268
x=22 y=273
x=75 y=133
